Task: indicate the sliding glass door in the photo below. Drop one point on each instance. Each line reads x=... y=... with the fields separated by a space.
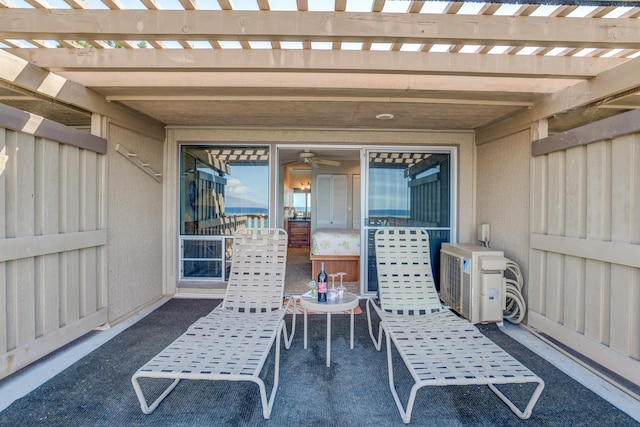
x=222 y=189
x=408 y=188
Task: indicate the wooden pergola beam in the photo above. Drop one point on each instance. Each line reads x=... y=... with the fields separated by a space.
x=190 y=25
x=368 y=62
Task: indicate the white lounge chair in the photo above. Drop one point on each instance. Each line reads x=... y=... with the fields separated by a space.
x=233 y=341
x=437 y=347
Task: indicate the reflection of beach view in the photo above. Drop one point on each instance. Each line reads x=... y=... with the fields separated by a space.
x=399 y=213
x=240 y=210
x=239 y=206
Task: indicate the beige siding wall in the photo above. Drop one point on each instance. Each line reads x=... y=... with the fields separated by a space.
x=52 y=246
x=134 y=224
x=503 y=195
x=585 y=250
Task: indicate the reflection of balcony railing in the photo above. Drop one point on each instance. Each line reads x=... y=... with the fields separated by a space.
x=257 y=221
x=226 y=225
x=398 y=221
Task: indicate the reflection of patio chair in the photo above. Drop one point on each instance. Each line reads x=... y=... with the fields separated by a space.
x=437 y=347
x=233 y=341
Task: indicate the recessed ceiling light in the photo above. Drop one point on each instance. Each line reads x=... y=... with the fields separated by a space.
x=384 y=116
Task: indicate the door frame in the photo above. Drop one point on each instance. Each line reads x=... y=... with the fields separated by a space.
x=364 y=203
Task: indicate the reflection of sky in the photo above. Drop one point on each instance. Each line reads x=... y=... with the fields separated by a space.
x=249 y=183
x=388 y=189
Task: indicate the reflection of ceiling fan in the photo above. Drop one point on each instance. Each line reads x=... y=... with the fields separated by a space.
x=311 y=159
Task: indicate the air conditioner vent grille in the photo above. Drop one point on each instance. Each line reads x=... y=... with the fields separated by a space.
x=467 y=300
x=452 y=281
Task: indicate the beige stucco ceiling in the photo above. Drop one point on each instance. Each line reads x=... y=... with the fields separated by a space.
x=465 y=67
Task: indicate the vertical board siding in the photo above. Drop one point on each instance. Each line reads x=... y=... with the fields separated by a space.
x=89 y=221
x=622 y=194
x=575 y=226
x=24 y=286
x=48 y=209
x=537 y=266
x=10 y=177
x=634 y=318
x=588 y=195
x=4 y=160
x=70 y=222
x=599 y=207
x=574 y=297
x=634 y=237
x=47 y=189
x=556 y=227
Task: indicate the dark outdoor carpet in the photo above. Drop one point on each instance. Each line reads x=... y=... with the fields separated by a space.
x=97 y=390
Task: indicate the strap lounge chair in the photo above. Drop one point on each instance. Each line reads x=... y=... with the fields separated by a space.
x=233 y=341
x=437 y=347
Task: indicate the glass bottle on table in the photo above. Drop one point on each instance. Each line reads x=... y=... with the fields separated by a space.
x=322 y=284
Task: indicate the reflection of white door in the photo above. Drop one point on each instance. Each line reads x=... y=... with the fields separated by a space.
x=331 y=201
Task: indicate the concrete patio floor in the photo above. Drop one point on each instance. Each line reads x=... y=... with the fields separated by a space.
x=29 y=379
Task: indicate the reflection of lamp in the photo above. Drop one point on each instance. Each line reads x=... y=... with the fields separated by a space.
x=302 y=185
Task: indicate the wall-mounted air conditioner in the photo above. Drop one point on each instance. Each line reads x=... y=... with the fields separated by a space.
x=472 y=281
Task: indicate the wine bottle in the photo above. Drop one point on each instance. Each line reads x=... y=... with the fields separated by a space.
x=322 y=284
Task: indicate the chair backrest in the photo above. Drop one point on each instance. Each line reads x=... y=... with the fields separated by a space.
x=258 y=266
x=405 y=278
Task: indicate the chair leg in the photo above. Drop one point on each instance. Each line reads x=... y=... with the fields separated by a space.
x=405 y=415
x=268 y=404
x=532 y=402
x=377 y=343
x=289 y=338
x=147 y=409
